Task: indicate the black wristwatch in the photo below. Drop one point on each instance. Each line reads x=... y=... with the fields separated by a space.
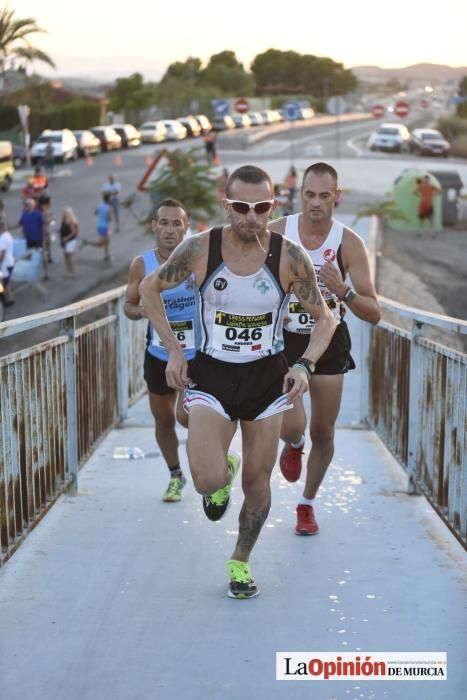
x=349 y=294
x=307 y=364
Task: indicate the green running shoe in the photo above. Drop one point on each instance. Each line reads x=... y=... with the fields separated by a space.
x=174 y=490
x=218 y=502
x=241 y=584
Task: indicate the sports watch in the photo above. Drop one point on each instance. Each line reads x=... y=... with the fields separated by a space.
x=307 y=364
x=349 y=294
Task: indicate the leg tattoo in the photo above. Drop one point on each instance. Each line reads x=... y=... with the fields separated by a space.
x=250 y=524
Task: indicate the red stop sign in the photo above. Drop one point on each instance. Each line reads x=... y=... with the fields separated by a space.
x=424 y=103
x=242 y=105
x=401 y=108
x=378 y=111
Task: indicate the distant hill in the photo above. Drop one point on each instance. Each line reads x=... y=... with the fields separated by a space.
x=419 y=71
x=105 y=69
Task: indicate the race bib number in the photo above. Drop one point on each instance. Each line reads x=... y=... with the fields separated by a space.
x=300 y=321
x=241 y=334
x=182 y=330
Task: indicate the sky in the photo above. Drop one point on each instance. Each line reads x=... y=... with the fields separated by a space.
x=100 y=39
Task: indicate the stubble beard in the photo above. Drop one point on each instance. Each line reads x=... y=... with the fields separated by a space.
x=248 y=234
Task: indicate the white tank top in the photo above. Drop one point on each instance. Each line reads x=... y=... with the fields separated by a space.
x=241 y=316
x=297 y=319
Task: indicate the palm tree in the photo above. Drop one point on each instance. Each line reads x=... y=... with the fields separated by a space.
x=29 y=54
x=384 y=210
x=14 y=41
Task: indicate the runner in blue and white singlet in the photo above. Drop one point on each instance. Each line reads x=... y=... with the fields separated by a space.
x=169 y=226
x=180 y=307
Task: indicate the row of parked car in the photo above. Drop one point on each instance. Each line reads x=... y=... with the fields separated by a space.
x=70 y=145
x=267 y=116
x=397 y=138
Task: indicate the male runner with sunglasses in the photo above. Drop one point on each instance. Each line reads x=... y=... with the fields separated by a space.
x=334 y=251
x=169 y=225
x=243 y=274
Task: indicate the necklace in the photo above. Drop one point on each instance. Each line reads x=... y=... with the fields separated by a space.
x=160 y=256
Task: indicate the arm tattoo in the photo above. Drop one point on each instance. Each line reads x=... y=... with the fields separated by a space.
x=250 y=525
x=179 y=265
x=304 y=277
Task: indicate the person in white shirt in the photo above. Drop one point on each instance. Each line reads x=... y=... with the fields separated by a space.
x=113 y=188
x=7 y=261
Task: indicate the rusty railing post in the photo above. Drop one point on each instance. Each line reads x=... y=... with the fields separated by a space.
x=67 y=328
x=415 y=382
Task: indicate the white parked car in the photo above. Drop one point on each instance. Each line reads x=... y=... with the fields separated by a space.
x=64 y=144
x=153 y=132
x=175 y=130
x=390 y=137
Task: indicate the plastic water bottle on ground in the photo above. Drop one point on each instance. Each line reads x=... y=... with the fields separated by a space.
x=128 y=453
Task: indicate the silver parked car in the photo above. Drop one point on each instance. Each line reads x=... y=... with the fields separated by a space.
x=390 y=137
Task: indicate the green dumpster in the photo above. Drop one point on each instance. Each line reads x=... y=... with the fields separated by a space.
x=411 y=191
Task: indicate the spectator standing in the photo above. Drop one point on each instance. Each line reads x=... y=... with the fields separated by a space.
x=290 y=182
x=44 y=203
x=32 y=222
x=210 y=146
x=49 y=158
x=68 y=234
x=7 y=261
x=426 y=191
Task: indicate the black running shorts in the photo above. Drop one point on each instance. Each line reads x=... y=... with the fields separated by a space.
x=244 y=390
x=335 y=360
x=154 y=375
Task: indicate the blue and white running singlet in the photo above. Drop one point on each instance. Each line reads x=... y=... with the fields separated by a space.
x=180 y=307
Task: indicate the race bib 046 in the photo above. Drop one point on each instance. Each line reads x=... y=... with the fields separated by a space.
x=237 y=333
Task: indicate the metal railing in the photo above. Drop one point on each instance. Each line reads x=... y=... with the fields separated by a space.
x=416 y=400
x=57 y=400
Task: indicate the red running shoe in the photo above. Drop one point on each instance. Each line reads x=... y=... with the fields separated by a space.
x=291 y=462
x=306 y=523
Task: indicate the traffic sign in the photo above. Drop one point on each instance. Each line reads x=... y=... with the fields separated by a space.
x=221 y=107
x=378 y=111
x=401 y=108
x=242 y=105
x=291 y=111
x=424 y=103
x=336 y=105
